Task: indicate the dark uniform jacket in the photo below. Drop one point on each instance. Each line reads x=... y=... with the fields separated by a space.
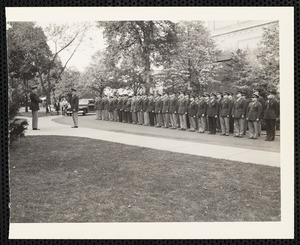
x=192 y=109
x=212 y=108
x=182 y=106
x=254 y=111
x=202 y=108
x=124 y=104
x=145 y=104
x=219 y=102
x=239 y=108
x=139 y=105
x=225 y=108
x=173 y=106
x=128 y=105
x=97 y=104
x=100 y=107
x=158 y=106
x=74 y=103
x=166 y=103
x=110 y=105
x=133 y=105
x=119 y=104
x=272 y=109
x=105 y=104
x=151 y=105
x=34 y=102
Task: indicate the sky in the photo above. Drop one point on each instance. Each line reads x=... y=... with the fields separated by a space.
x=93 y=42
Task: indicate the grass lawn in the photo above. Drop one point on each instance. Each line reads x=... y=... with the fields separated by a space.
x=69 y=179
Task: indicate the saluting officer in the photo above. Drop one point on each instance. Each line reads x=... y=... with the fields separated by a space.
x=74 y=108
x=271 y=114
x=225 y=112
x=253 y=116
x=239 y=114
x=35 y=100
x=201 y=113
x=212 y=114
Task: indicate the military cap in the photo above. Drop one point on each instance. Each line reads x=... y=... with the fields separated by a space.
x=207 y=95
x=203 y=95
x=219 y=93
x=239 y=92
x=272 y=92
x=150 y=94
x=34 y=86
x=193 y=95
x=255 y=96
x=74 y=89
x=159 y=94
x=213 y=94
x=226 y=93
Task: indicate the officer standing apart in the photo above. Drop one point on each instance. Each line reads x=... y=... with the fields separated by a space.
x=35 y=100
x=74 y=108
x=271 y=114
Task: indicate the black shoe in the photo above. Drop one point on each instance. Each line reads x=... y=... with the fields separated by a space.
x=74 y=127
x=222 y=134
x=236 y=136
x=241 y=136
x=35 y=129
x=267 y=139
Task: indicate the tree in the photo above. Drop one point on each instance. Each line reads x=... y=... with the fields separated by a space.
x=267 y=71
x=151 y=42
x=193 y=56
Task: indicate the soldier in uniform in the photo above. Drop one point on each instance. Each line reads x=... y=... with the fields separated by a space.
x=212 y=113
x=115 y=108
x=219 y=102
x=247 y=103
x=35 y=100
x=173 y=108
x=100 y=106
x=123 y=108
x=225 y=112
x=128 y=114
x=74 y=107
x=158 y=110
x=133 y=110
x=201 y=113
x=97 y=105
x=239 y=110
x=151 y=110
x=182 y=111
x=111 y=107
x=145 y=110
x=271 y=114
x=262 y=102
x=253 y=116
x=119 y=108
x=139 y=110
x=231 y=119
x=105 y=108
x=165 y=109
x=192 y=112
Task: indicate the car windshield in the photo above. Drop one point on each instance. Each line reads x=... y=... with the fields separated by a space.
x=83 y=101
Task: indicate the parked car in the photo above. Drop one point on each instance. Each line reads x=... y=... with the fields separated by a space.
x=85 y=106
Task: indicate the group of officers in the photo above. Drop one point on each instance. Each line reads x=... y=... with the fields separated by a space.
x=214 y=112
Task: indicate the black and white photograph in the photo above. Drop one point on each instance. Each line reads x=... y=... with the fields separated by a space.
x=150 y=122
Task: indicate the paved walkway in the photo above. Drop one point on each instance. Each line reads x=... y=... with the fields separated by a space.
x=49 y=127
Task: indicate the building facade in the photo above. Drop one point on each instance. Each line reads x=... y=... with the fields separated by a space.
x=237 y=34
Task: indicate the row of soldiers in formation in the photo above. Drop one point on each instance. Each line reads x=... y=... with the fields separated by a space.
x=208 y=112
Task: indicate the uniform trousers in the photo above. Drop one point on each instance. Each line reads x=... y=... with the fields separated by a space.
x=100 y=114
x=219 y=127
x=192 y=123
x=35 y=119
x=146 y=118
x=182 y=121
x=140 y=116
x=166 y=120
x=253 y=129
x=115 y=115
x=188 y=124
x=111 y=115
x=158 y=119
x=270 y=128
x=97 y=114
x=173 y=118
x=128 y=117
x=212 y=124
x=124 y=116
x=239 y=124
x=245 y=126
x=120 y=115
x=151 y=118
x=105 y=113
x=259 y=128
x=134 y=117
x=202 y=124
x=224 y=122
x=75 y=118
x=231 y=125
